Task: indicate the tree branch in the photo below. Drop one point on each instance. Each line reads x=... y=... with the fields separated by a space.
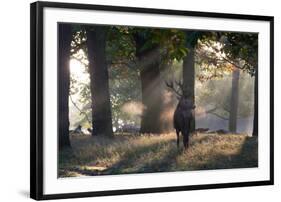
x=221 y=117
x=81 y=112
x=212 y=111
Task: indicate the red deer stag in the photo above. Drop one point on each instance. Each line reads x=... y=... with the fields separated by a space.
x=183 y=114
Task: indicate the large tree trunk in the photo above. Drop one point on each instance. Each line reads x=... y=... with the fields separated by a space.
x=169 y=100
x=234 y=101
x=101 y=107
x=149 y=62
x=151 y=99
x=65 y=37
x=256 y=118
x=189 y=73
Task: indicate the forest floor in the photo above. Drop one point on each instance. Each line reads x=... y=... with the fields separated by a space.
x=126 y=154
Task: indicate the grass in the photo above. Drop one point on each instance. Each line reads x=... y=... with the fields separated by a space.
x=125 y=154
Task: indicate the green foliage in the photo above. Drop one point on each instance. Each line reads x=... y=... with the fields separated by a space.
x=120 y=48
x=192 y=37
x=78 y=43
x=124 y=85
x=241 y=46
x=218 y=53
x=211 y=60
x=171 y=42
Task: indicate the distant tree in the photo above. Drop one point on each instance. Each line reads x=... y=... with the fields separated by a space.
x=65 y=37
x=98 y=68
x=245 y=48
x=234 y=101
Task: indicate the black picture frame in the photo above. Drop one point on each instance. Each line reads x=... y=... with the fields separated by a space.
x=36 y=98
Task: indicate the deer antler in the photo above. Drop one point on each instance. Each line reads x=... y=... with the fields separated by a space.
x=170 y=85
x=180 y=85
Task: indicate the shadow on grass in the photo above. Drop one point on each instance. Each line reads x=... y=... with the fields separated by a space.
x=153 y=157
x=158 y=157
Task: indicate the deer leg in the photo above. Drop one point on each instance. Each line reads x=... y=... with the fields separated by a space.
x=178 y=140
x=186 y=140
x=186 y=135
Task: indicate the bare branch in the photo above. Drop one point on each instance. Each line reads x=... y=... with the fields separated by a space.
x=213 y=112
x=223 y=58
x=221 y=117
x=232 y=63
x=81 y=112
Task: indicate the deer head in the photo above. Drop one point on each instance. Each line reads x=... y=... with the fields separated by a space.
x=184 y=101
x=177 y=90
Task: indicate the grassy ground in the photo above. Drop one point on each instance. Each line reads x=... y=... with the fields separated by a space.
x=156 y=153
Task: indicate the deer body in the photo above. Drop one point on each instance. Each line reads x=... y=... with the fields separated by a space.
x=182 y=119
x=183 y=114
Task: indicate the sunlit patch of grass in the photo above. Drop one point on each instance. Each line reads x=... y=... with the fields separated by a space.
x=156 y=153
x=219 y=152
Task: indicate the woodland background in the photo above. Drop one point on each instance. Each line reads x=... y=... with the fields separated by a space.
x=124 y=81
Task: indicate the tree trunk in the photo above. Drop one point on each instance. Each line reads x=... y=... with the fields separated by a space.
x=189 y=73
x=256 y=119
x=151 y=99
x=101 y=107
x=234 y=101
x=149 y=62
x=65 y=37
